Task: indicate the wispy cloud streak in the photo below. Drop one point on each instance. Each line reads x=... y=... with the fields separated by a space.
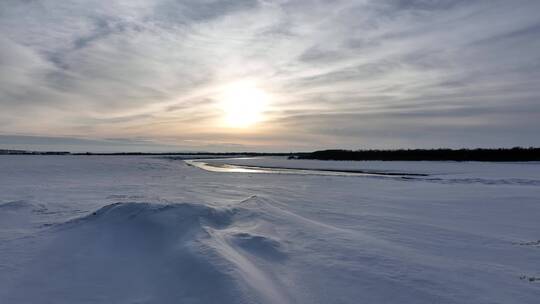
x=356 y=74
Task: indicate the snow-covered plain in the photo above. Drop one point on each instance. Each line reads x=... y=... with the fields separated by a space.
x=121 y=229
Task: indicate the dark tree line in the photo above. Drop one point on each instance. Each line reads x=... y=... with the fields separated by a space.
x=513 y=154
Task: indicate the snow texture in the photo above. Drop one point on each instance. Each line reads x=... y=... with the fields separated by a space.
x=136 y=229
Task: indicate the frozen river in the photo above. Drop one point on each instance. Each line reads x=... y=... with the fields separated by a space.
x=217 y=165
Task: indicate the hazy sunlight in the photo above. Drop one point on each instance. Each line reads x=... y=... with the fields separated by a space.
x=243 y=105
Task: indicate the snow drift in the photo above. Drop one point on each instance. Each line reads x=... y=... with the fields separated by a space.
x=144 y=252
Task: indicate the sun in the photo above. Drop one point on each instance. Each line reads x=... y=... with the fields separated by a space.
x=243 y=105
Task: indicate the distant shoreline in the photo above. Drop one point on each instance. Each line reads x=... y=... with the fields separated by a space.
x=487 y=155
x=226 y=154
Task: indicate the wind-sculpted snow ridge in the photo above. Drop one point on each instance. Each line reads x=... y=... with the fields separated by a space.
x=14 y=206
x=156 y=253
x=16 y=217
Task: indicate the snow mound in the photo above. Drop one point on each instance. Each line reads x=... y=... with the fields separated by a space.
x=185 y=215
x=21 y=205
x=155 y=253
x=15 y=205
x=262 y=246
x=16 y=217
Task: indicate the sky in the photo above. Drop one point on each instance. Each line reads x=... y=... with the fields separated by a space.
x=260 y=75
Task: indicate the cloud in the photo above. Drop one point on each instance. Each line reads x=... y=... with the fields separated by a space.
x=343 y=73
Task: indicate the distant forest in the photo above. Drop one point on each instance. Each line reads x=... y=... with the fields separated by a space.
x=514 y=154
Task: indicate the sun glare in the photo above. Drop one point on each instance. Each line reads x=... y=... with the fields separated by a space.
x=243 y=105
